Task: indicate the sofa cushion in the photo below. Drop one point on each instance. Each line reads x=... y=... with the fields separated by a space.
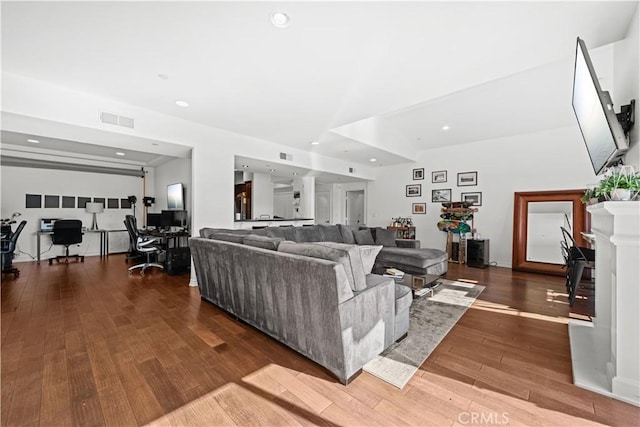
x=364 y=237
x=420 y=258
x=346 y=231
x=309 y=233
x=347 y=255
x=206 y=232
x=287 y=233
x=385 y=237
x=264 y=242
x=330 y=233
x=228 y=237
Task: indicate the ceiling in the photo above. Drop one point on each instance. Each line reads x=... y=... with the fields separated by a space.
x=365 y=79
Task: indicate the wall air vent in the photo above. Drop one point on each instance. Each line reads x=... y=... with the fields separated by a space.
x=351 y=170
x=286 y=156
x=114 y=119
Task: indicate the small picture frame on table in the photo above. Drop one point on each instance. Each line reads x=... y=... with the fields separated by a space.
x=419 y=208
x=414 y=190
x=438 y=177
x=418 y=174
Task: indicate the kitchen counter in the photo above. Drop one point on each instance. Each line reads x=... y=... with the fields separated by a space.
x=272 y=222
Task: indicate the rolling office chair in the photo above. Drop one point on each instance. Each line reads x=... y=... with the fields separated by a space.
x=67 y=232
x=8 y=249
x=576 y=259
x=144 y=245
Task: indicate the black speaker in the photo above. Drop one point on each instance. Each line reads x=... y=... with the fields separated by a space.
x=178 y=260
x=478 y=253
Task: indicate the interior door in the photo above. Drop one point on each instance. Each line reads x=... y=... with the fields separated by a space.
x=355 y=207
x=323 y=207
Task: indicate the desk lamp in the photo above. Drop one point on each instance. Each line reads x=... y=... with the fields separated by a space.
x=94 y=208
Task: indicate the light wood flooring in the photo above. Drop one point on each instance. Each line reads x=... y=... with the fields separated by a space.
x=86 y=344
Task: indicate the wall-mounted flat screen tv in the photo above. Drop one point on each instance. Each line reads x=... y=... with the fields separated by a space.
x=175 y=196
x=603 y=135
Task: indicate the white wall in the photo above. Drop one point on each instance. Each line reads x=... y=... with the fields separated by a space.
x=19 y=181
x=261 y=195
x=171 y=172
x=626 y=59
x=551 y=160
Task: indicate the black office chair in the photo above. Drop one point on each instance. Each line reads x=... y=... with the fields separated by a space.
x=576 y=259
x=145 y=245
x=67 y=232
x=9 y=241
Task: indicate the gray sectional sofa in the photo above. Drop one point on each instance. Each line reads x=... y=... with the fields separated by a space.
x=305 y=289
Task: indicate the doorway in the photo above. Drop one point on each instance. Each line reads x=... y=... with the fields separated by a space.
x=323 y=207
x=354 y=207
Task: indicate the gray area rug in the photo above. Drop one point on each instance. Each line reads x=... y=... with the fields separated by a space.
x=431 y=319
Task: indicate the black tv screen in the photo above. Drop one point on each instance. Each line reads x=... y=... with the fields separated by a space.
x=602 y=133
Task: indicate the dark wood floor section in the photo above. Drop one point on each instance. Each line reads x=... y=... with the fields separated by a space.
x=88 y=345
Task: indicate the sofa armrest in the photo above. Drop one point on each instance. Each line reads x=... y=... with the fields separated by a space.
x=408 y=243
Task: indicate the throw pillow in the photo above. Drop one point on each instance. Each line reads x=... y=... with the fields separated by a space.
x=330 y=233
x=347 y=255
x=308 y=233
x=347 y=233
x=364 y=237
x=385 y=237
x=263 y=242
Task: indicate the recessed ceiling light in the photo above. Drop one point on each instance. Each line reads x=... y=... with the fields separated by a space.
x=34 y=141
x=315 y=143
x=163 y=76
x=280 y=19
x=373 y=159
x=155 y=144
x=295 y=173
x=182 y=103
x=119 y=153
x=272 y=170
x=445 y=127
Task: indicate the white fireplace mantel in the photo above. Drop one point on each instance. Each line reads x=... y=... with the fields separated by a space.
x=605 y=353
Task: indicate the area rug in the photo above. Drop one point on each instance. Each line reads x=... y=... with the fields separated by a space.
x=430 y=320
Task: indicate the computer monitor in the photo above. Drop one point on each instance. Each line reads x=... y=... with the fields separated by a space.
x=174 y=218
x=154 y=220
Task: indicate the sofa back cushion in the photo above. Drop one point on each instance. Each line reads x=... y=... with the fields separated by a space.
x=264 y=242
x=330 y=233
x=207 y=232
x=347 y=233
x=308 y=233
x=364 y=237
x=287 y=233
x=385 y=237
x=347 y=255
x=228 y=237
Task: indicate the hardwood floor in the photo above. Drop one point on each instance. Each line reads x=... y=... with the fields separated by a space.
x=87 y=344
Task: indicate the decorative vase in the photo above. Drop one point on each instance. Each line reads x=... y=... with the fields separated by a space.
x=621 y=194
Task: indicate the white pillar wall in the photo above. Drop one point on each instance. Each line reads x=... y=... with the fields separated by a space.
x=307 y=188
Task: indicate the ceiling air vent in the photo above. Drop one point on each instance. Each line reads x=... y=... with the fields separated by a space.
x=286 y=156
x=114 y=119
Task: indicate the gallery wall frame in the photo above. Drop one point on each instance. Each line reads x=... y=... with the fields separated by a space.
x=441 y=195
x=474 y=197
x=414 y=190
x=419 y=208
x=438 y=177
x=467 y=179
x=418 y=174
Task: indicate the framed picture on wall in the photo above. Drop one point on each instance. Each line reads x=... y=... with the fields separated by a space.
x=438 y=177
x=419 y=208
x=414 y=190
x=418 y=174
x=439 y=196
x=474 y=198
x=467 y=179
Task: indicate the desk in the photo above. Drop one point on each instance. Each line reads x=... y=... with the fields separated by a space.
x=168 y=236
x=104 y=240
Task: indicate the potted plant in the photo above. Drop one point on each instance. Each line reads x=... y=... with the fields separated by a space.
x=619 y=184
